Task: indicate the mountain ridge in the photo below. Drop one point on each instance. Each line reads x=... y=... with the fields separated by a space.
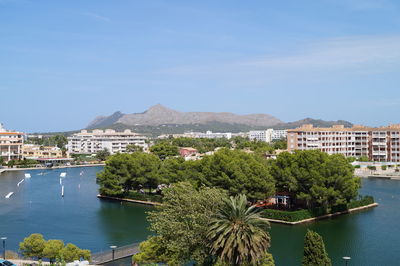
x=159 y=117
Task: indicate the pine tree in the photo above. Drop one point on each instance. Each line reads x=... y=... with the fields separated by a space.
x=314 y=250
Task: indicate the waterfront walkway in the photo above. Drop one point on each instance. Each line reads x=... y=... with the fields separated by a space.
x=119 y=253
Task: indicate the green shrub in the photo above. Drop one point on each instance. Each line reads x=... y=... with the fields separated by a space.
x=383 y=167
x=371 y=167
x=289 y=216
x=357 y=166
x=362 y=201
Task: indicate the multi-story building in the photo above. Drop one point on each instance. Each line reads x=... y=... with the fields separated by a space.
x=10 y=144
x=279 y=134
x=267 y=135
x=261 y=135
x=378 y=144
x=91 y=142
x=32 y=151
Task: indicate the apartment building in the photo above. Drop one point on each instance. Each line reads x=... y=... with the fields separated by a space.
x=267 y=135
x=378 y=144
x=10 y=144
x=91 y=142
x=261 y=135
x=32 y=151
x=279 y=134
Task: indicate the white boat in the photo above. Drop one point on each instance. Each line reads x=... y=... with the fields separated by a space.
x=19 y=183
x=27 y=175
x=63 y=174
x=9 y=195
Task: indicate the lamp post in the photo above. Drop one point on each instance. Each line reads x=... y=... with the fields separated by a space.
x=4 y=246
x=113 y=251
x=346 y=259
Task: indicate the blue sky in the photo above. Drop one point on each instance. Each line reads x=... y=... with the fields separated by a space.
x=64 y=62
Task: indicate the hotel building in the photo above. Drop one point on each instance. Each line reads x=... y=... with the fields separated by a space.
x=267 y=135
x=378 y=144
x=32 y=151
x=91 y=142
x=10 y=144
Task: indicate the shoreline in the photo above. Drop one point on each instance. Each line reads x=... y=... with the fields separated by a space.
x=49 y=168
x=151 y=203
x=369 y=206
x=143 y=202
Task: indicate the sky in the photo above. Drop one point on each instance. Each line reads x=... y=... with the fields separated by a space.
x=62 y=63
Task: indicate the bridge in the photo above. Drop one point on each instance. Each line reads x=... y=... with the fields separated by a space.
x=119 y=253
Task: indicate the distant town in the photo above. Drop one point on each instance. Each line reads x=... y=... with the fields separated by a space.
x=380 y=144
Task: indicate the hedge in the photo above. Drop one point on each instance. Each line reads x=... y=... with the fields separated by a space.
x=294 y=216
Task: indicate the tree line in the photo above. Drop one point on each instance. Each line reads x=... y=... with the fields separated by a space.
x=35 y=246
x=312 y=177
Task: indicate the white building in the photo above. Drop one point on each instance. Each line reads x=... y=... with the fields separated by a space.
x=279 y=134
x=91 y=142
x=211 y=135
x=267 y=135
x=261 y=135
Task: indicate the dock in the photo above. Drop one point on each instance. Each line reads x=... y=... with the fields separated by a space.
x=119 y=253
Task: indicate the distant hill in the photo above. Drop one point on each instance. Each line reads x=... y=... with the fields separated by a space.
x=314 y=122
x=159 y=120
x=161 y=115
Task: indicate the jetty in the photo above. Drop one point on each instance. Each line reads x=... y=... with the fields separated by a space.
x=115 y=254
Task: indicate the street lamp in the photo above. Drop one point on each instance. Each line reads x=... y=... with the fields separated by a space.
x=346 y=259
x=113 y=251
x=4 y=246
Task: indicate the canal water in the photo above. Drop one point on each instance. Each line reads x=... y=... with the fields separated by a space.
x=370 y=237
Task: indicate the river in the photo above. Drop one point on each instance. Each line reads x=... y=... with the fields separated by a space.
x=370 y=237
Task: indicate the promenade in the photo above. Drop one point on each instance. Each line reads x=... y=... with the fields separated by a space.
x=47 y=168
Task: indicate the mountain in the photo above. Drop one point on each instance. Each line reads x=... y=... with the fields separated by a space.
x=314 y=122
x=159 y=119
x=105 y=121
x=161 y=115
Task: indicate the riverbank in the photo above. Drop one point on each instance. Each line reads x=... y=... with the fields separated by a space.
x=129 y=200
x=49 y=168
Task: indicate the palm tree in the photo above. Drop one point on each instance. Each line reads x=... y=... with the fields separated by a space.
x=237 y=234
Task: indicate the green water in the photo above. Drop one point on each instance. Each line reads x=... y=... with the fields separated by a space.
x=370 y=237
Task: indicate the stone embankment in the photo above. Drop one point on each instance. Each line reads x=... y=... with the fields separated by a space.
x=130 y=200
x=323 y=216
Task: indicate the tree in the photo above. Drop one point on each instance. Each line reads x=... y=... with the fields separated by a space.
x=237 y=172
x=182 y=223
x=52 y=249
x=102 y=155
x=124 y=172
x=151 y=251
x=237 y=233
x=314 y=250
x=318 y=179
x=71 y=252
x=32 y=246
x=164 y=150
x=133 y=148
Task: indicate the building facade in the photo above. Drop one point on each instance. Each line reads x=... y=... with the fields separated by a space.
x=261 y=135
x=91 y=142
x=279 y=134
x=378 y=144
x=267 y=135
x=10 y=144
x=32 y=151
